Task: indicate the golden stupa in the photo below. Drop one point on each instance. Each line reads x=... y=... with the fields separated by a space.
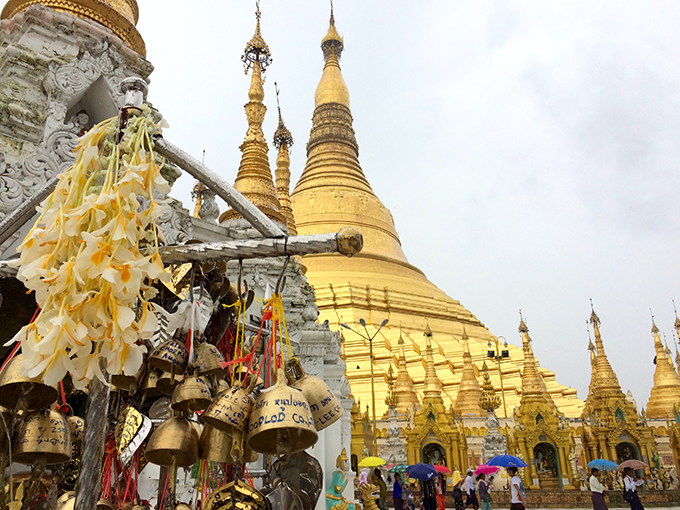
x=666 y=391
x=379 y=282
x=119 y=16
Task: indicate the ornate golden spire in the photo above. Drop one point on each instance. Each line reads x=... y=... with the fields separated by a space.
x=332 y=87
x=433 y=389
x=391 y=398
x=404 y=391
x=119 y=16
x=666 y=391
x=533 y=385
x=254 y=179
x=489 y=401
x=283 y=140
x=469 y=392
x=605 y=379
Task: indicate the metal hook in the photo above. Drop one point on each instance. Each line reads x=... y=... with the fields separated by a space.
x=281 y=277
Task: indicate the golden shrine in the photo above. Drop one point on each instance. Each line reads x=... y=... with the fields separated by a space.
x=435 y=437
x=380 y=283
x=541 y=435
x=612 y=429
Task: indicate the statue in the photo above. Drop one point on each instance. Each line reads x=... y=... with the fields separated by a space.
x=334 y=498
x=369 y=494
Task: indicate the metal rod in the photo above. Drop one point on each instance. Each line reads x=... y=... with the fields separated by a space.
x=96 y=428
x=221 y=187
x=23 y=213
x=375 y=437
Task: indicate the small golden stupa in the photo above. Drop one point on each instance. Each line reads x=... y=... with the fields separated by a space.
x=119 y=16
x=666 y=391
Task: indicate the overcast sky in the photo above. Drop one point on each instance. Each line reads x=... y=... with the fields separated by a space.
x=528 y=151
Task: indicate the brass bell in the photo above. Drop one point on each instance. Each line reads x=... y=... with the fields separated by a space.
x=191 y=395
x=77 y=426
x=174 y=442
x=167 y=382
x=141 y=506
x=197 y=427
x=42 y=437
x=105 y=504
x=215 y=445
x=323 y=403
x=182 y=506
x=208 y=359
x=281 y=421
x=222 y=385
x=129 y=383
x=66 y=501
x=250 y=377
x=22 y=392
x=149 y=385
x=230 y=410
x=170 y=356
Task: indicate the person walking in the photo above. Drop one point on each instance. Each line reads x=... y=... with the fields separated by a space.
x=630 y=485
x=470 y=491
x=597 y=490
x=428 y=494
x=397 y=491
x=411 y=496
x=377 y=476
x=483 y=489
x=457 y=492
x=441 y=493
x=517 y=501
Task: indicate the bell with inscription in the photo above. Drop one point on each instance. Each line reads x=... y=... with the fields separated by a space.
x=191 y=395
x=43 y=437
x=230 y=410
x=22 y=392
x=167 y=383
x=281 y=422
x=170 y=357
x=77 y=427
x=173 y=443
x=323 y=403
x=215 y=445
x=208 y=359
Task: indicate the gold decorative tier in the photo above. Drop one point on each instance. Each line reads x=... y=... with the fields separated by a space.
x=379 y=282
x=119 y=16
x=666 y=391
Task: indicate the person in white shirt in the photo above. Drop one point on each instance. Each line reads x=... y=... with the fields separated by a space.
x=517 y=502
x=597 y=491
x=631 y=483
x=470 y=490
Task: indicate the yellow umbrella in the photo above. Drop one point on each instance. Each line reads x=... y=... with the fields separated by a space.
x=456 y=478
x=371 y=462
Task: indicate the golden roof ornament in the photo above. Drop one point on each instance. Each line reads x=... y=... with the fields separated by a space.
x=433 y=389
x=666 y=390
x=119 y=16
x=605 y=377
x=390 y=399
x=469 y=391
x=533 y=385
x=404 y=391
x=489 y=401
x=283 y=141
x=254 y=179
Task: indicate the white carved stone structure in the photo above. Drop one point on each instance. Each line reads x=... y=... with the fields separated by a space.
x=494 y=443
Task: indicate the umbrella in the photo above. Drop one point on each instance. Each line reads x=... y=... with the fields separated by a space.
x=443 y=470
x=371 y=462
x=456 y=478
x=486 y=470
x=506 y=461
x=398 y=468
x=388 y=466
x=603 y=464
x=421 y=471
x=632 y=463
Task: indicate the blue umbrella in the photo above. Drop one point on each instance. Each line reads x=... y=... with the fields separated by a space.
x=603 y=464
x=421 y=471
x=506 y=461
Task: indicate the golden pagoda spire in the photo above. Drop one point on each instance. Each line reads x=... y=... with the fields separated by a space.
x=533 y=385
x=489 y=401
x=605 y=378
x=391 y=398
x=677 y=333
x=469 y=392
x=404 y=391
x=254 y=179
x=120 y=16
x=433 y=390
x=283 y=141
x=666 y=391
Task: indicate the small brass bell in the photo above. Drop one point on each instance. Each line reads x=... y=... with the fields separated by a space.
x=174 y=442
x=105 y=504
x=281 y=421
x=149 y=385
x=208 y=359
x=42 y=437
x=250 y=376
x=66 y=501
x=167 y=382
x=129 y=383
x=170 y=356
x=215 y=445
x=323 y=403
x=77 y=426
x=191 y=395
x=22 y=392
x=241 y=449
x=141 y=506
x=197 y=427
x=222 y=385
x=230 y=410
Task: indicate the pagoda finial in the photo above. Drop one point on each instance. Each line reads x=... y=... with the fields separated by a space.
x=391 y=399
x=283 y=140
x=469 y=392
x=522 y=325
x=489 y=401
x=433 y=390
x=254 y=179
x=405 y=393
x=332 y=21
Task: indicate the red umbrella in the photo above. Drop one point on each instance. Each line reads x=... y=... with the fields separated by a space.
x=389 y=466
x=443 y=470
x=487 y=470
x=632 y=463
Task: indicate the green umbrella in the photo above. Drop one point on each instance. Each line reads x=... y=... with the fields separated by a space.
x=398 y=468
